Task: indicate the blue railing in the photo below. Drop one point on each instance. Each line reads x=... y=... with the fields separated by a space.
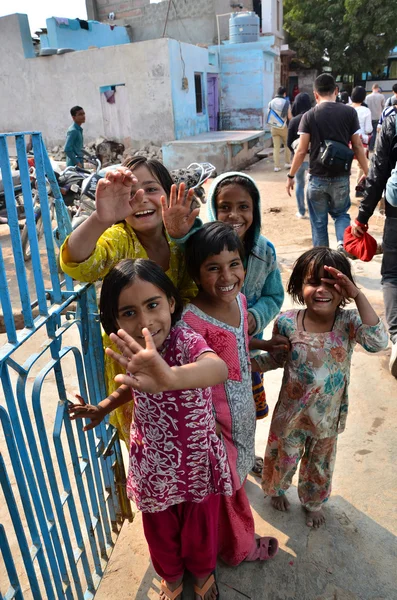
x=62 y=491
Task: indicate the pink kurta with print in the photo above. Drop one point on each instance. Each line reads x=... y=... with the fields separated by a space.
x=233 y=400
x=175 y=454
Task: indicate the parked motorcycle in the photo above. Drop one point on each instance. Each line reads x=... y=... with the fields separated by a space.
x=70 y=182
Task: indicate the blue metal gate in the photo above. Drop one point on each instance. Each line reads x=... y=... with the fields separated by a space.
x=62 y=491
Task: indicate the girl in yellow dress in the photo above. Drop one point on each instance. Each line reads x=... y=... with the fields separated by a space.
x=127 y=223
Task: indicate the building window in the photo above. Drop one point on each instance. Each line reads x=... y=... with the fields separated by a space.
x=198 y=87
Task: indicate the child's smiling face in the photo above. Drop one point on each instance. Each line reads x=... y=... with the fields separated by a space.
x=321 y=299
x=235 y=206
x=146 y=213
x=222 y=276
x=142 y=304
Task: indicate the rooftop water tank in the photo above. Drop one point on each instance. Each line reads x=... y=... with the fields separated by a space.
x=243 y=27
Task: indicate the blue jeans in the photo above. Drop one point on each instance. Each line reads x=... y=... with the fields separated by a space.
x=300 y=187
x=389 y=275
x=328 y=195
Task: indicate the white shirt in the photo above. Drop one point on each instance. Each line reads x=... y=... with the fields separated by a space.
x=365 y=120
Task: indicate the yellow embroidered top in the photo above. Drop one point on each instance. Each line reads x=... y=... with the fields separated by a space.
x=116 y=243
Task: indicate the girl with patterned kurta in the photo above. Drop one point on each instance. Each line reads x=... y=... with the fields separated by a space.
x=214 y=255
x=312 y=407
x=127 y=223
x=178 y=466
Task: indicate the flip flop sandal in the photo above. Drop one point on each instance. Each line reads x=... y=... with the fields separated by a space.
x=258 y=466
x=171 y=595
x=207 y=585
x=264 y=549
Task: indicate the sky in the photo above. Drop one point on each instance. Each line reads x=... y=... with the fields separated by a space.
x=40 y=10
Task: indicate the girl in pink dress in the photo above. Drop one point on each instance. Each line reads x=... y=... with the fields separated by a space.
x=178 y=466
x=214 y=255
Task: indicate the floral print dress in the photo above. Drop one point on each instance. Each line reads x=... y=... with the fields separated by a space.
x=313 y=402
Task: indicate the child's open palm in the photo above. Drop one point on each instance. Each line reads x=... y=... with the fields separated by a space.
x=341 y=283
x=113 y=196
x=148 y=372
x=178 y=218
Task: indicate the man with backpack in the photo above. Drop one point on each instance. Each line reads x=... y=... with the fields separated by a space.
x=279 y=112
x=328 y=128
x=382 y=175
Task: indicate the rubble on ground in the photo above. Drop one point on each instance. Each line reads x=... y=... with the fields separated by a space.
x=148 y=151
x=110 y=152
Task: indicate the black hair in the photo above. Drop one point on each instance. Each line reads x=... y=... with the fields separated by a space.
x=281 y=91
x=324 y=84
x=122 y=275
x=394 y=88
x=75 y=109
x=358 y=94
x=210 y=240
x=302 y=104
x=344 y=96
x=156 y=168
x=253 y=191
x=311 y=263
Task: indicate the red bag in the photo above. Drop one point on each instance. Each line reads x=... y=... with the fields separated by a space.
x=363 y=247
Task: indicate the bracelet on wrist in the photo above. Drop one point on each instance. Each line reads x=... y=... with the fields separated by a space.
x=290 y=176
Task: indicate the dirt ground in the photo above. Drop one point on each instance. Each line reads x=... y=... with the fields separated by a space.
x=354 y=556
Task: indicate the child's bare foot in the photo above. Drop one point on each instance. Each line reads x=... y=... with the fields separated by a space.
x=206 y=588
x=280 y=503
x=315 y=519
x=170 y=588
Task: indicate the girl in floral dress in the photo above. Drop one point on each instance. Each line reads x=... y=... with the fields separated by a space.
x=214 y=255
x=312 y=407
x=178 y=466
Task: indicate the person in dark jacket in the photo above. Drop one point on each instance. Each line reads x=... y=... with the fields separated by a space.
x=301 y=105
x=382 y=163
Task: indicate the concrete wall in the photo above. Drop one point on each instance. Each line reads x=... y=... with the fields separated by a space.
x=247 y=76
x=37 y=93
x=272 y=17
x=191 y=21
x=185 y=61
x=72 y=36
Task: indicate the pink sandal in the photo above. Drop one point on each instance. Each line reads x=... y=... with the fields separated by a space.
x=171 y=595
x=263 y=549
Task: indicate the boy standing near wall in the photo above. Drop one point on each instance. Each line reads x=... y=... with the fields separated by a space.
x=74 y=138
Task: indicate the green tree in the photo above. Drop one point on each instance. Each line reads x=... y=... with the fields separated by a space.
x=350 y=36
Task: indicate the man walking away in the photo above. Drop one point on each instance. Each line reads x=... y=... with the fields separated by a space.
x=389 y=101
x=279 y=112
x=328 y=192
x=74 y=138
x=376 y=104
x=382 y=163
